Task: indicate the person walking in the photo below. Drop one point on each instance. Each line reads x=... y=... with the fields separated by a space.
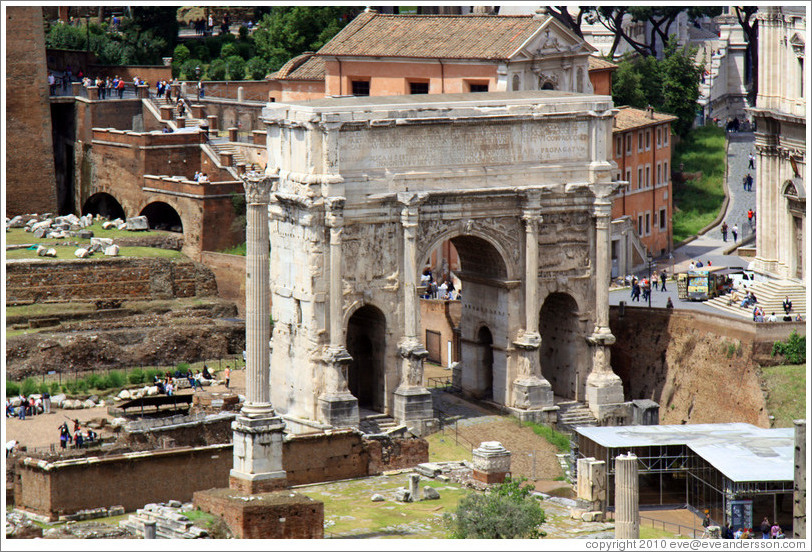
x=735 y=232
x=765 y=528
x=227 y=375
x=752 y=161
x=663 y=278
x=724 y=231
x=46 y=403
x=749 y=181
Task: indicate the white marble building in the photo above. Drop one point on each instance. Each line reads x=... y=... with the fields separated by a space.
x=780 y=117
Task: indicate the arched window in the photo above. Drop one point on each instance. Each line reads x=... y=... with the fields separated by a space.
x=516 y=82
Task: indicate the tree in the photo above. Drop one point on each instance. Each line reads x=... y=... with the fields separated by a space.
x=235 y=68
x=563 y=15
x=217 y=70
x=256 y=68
x=508 y=511
x=228 y=50
x=680 y=78
x=749 y=24
x=181 y=54
x=285 y=32
x=670 y=85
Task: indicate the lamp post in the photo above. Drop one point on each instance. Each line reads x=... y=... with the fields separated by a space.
x=650 y=260
x=197 y=74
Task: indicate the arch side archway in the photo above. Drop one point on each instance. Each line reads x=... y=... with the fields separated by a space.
x=105 y=205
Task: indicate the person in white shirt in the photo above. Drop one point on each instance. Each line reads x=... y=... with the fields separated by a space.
x=772 y=318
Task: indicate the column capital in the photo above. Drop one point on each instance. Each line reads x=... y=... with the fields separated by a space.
x=257 y=188
x=334 y=211
x=410 y=206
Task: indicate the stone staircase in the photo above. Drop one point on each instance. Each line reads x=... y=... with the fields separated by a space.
x=572 y=414
x=770 y=295
x=377 y=423
x=222 y=145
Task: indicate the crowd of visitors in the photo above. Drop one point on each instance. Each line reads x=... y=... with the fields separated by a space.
x=445 y=290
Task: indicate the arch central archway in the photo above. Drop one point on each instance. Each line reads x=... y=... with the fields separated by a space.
x=366 y=343
x=162 y=216
x=105 y=205
x=480 y=277
x=561 y=345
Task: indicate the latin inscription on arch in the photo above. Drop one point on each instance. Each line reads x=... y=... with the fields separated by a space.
x=425 y=146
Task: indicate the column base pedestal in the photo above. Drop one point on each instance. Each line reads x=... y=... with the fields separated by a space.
x=413 y=406
x=339 y=410
x=603 y=389
x=257 y=453
x=532 y=393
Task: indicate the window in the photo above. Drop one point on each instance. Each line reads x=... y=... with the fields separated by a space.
x=639 y=225
x=640 y=140
x=628 y=144
x=659 y=137
x=618 y=146
x=629 y=177
x=662 y=218
x=666 y=132
x=418 y=88
x=477 y=87
x=648 y=224
x=648 y=176
x=360 y=88
x=666 y=174
x=659 y=174
x=516 y=83
x=648 y=140
x=639 y=177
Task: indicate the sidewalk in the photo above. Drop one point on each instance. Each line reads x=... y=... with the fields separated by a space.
x=710 y=245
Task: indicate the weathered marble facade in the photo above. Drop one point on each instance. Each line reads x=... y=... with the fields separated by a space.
x=780 y=117
x=367 y=187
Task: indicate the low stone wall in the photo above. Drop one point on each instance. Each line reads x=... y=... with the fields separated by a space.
x=229 y=271
x=138 y=478
x=130 y=480
x=115 y=278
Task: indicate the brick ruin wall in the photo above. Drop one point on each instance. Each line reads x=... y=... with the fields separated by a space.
x=700 y=368
x=229 y=271
x=92 y=279
x=135 y=479
x=30 y=184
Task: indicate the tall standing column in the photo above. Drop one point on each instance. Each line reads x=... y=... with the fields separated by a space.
x=530 y=390
x=412 y=401
x=799 y=483
x=257 y=430
x=338 y=407
x=627 y=498
x=602 y=385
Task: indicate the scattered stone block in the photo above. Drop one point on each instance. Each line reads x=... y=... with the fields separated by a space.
x=403 y=495
x=108 y=225
x=175 y=504
x=137 y=224
x=57 y=400
x=111 y=251
x=152 y=390
x=428 y=469
x=82 y=253
x=41 y=250
x=42 y=224
x=16 y=222
x=50 y=253
x=430 y=493
x=115 y=511
x=377 y=498
x=124 y=395
x=39 y=233
x=122 y=226
x=84 y=234
x=595 y=515
x=88 y=404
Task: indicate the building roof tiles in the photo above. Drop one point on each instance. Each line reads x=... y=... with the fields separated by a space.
x=629 y=118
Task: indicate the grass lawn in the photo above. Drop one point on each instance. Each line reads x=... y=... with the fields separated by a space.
x=786 y=393
x=349 y=512
x=652 y=533
x=241 y=249
x=442 y=447
x=67 y=252
x=697 y=202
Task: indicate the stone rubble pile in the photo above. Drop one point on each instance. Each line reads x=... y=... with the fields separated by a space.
x=20 y=526
x=70 y=226
x=170 y=523
x=94 y=513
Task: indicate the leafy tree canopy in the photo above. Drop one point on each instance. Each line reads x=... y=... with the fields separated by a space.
x=508 y=511
x=670 y=85
x=285 y=31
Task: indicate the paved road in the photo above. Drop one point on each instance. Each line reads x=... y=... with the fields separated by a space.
x=709 y=246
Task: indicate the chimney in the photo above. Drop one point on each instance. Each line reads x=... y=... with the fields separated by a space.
x=650 y=112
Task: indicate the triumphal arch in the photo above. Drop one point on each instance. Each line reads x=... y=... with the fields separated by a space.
x=364 y=188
